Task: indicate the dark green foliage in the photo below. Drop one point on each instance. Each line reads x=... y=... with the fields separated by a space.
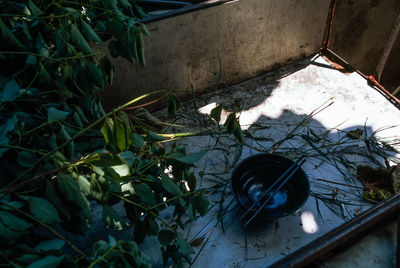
x=55 y=162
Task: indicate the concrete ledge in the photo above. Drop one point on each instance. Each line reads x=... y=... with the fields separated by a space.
x=248 y=38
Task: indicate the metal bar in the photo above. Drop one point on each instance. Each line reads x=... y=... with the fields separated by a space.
x=344 y=235
x=398 y=242
x=184 y=10
x=163 y=3
x=388 y=48
x=371 y=80
x=329 y=25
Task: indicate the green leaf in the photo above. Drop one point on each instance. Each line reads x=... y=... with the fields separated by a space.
x=8 y=233
x=187 y=159
x=70 y=148
x=90 y=33
x=128 y=157
x=79 y=40
x=8 y=126
x=140 y=50
x=112 y=5
x=122 y=170
x=153 y=137
x=191 y=179
x=120 y=135
x=25 y=30
x=56 y=199
x=111 y=240
x=230 y=123
x=107 y=129
x=99 y=189
x=54 y=115
x=47 y=262
x=69 y=188
x=139 y=231
x=145 y=193
x=55 y=244
x=201 y=204
x=122 y=132
x=13 y=222
x=41 y=46
x=108 y=69
x=96 y=74
x=125 y=3
x=81 y=114
x=84 y=185
x=44 y=75
x=4 y=129
x=104 y=160
x=28 y=258
x=26 y=159
x=10 y=91
x=112 y=219
x=170 y=186
x=216 y=113
x=14 y=204
x=191 y=212
x=237 y=132
x=100 y=247
x=77 y=119
x=152 y=226
x=34 y=9
x=165 y=237
x=9 y=36
x=183 y=246
x=43 y=209
x=143 y=29
x=173 y=104
x=31 y=60
x=137 y=141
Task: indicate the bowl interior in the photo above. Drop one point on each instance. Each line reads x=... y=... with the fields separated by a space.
x=255 y=174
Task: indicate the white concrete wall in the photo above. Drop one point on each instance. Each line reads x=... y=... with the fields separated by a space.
x=250 y=37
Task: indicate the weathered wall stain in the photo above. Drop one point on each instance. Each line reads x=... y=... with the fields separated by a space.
x=248 y=37
x=360 y=31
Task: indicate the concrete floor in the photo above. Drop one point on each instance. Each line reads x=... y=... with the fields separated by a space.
x=271 y=106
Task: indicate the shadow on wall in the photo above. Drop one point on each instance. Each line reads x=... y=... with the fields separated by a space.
x=360 y=32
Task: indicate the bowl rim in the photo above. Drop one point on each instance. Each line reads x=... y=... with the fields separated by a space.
x=284 y=214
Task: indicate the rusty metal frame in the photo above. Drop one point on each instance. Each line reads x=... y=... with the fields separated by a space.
x=373 y=80
x=342 y=236
x=352 y=231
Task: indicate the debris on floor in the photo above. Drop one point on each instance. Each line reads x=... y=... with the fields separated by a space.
x=347 y=131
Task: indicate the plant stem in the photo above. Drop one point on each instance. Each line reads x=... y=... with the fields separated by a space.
x=31 y=53
x=17 y=186
x=184 y=134
x=92 y=125
x=146 y=209
x=47 y=227
x=174 y=198
x=308 y=117
x=50 y=58
x=102 y=256
x=21 y=148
